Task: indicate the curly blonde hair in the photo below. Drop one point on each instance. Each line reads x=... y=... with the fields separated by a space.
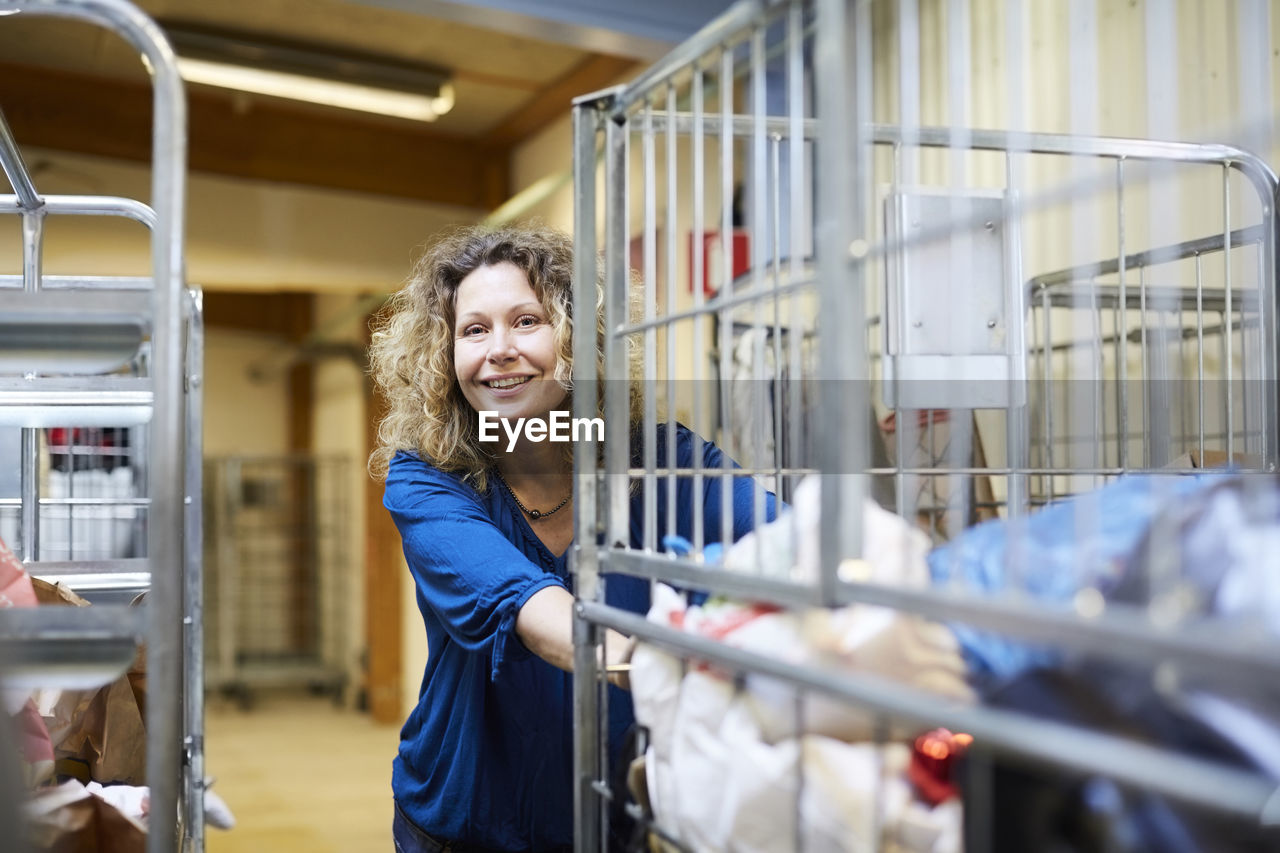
x=411 y=355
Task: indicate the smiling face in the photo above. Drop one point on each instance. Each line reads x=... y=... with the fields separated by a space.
x=504 y=349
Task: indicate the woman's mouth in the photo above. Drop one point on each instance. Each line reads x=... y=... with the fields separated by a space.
x=507 y=383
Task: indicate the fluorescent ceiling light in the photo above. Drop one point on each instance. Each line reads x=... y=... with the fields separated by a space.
x=350 y=96
x=330 y=76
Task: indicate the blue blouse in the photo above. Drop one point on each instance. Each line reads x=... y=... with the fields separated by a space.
x=486 y=756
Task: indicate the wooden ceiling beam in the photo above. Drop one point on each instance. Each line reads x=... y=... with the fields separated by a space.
x=110 y=118
x=270 y=313
x=556 y=99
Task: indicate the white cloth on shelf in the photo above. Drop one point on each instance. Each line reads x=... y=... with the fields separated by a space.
x=723 y=787
x=893 y=550
x=878 y=641
x=723 y=762
x=131 y=800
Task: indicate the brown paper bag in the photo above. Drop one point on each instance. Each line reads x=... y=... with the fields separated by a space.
x=101 y=731
x=70 y=819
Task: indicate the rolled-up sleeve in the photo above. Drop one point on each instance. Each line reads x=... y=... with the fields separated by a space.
x=469 y=574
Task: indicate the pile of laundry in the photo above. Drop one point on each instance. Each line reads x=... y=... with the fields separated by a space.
x=747 y=762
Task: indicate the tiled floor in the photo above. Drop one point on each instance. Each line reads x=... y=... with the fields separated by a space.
x=299 y=775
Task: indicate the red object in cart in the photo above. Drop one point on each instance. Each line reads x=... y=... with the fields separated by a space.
x=935 y=756
x=713 y=277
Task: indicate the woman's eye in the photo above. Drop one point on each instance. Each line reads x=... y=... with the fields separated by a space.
x=527 y=320
x=470 y=331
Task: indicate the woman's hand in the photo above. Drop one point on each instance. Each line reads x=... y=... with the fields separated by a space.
x=618 y=649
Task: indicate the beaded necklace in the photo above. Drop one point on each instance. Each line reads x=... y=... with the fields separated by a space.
x=532 y=513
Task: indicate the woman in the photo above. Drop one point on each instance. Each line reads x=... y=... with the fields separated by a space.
x=485 y=326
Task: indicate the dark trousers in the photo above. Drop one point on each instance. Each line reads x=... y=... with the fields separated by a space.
x=410 y=839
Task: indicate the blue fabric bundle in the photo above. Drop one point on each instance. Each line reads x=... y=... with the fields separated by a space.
x=1050 y=556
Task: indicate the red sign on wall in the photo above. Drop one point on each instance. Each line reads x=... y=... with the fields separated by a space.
x=713 y=277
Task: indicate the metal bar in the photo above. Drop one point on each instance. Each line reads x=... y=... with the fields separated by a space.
x=1088 y=146
x=87 y=205
x=687 y=573
x=1147 y=409
x=698 y=253
x=842 y=358
x=1047 y=402
x=722 y=305
x=745 y=471
x=1254 y=22
x=1199 y=357
x=1184 y=298
x=30 y=487
x=1082 y=50
x=32 y=249
x=672 y=226
x=1122 y=353
x=56 y=570
x=79 y=282
x=960 y=245
x=1017 y=427
x=15 y=169
x=977 y=139
x=650 y=359
x=615 y=312
x=1269 y=317
x=740 y=124
x=89 y=580
x=1228 y=366
x=724 y=327
x=586 y=275
x=51 y=392
x=193 y=578
x=777 y=330
x=72 y=624
x=1175 y=252
x=71 y=515
x=1145 y=767
x=759 y=197
x=798 y=213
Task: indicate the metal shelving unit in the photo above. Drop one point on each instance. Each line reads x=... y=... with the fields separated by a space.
x=121 y=354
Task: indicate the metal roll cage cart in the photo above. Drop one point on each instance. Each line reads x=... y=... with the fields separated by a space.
x=116 y=352
x=824 y=175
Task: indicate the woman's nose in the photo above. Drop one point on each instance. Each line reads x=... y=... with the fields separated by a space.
x=501 y=347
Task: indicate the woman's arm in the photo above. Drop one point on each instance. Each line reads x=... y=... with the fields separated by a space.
x=545 y=626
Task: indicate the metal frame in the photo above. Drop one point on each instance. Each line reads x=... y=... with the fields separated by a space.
x=167 y=399
x=848 y=254
x=306 y=530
